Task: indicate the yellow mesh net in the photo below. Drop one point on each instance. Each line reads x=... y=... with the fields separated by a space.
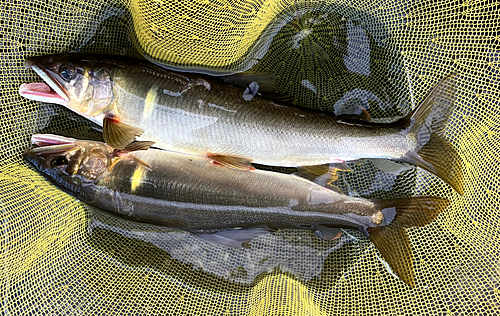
x=62 y=258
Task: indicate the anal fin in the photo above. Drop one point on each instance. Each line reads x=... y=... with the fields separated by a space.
x=322 y=174
x=357 y=114
x=231 y=161
x=117 y=134
x=234 y=238
x=328 y=233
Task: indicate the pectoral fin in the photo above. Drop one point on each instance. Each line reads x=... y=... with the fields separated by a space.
x=118 y=154
x=141 y=162
x=135 y=146
x=231 y=161
x=117 y=134
x=138 y=145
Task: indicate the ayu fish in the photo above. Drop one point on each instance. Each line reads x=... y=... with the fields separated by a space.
x=202 y=116
x=194 y=194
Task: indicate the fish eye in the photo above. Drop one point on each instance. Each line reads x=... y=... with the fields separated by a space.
x=67 y=72
x=59 y=161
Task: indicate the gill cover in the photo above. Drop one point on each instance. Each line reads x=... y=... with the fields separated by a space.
x=90 y=90
x=100 y=91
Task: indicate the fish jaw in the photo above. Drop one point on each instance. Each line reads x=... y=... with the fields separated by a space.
x=42 y=140
x=51 y=91
x=40 y=159
x=49 y=144
x=58 y=156
x=35 y=159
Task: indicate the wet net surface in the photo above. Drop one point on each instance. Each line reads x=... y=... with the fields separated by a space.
x=60 y=257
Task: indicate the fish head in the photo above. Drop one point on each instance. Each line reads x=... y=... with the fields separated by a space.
x=68 y=162
x=79 y=82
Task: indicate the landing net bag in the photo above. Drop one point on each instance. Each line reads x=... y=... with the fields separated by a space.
x=60 y=257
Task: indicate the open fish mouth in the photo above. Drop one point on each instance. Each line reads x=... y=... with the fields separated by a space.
x=49 y=144
x=51 y=91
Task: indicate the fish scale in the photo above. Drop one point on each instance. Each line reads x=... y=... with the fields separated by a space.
x=191 y=193
x=243 y=121
x=203 y=116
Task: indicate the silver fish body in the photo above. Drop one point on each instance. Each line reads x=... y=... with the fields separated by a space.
x=195 y=194
x=191 y=192
x=203 y=116
x=214 y=118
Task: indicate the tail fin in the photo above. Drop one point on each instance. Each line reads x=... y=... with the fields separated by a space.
x=434 y=153
x=391 y=240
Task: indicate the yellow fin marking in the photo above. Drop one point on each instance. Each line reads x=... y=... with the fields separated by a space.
x=137 y=178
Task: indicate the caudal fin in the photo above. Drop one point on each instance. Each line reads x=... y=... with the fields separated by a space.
x=391 y=240
x=427 y=124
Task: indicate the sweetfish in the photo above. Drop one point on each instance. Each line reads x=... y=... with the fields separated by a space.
x=193 y=193
x=203 y=116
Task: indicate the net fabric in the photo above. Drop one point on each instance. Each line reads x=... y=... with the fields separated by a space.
x=59 y=257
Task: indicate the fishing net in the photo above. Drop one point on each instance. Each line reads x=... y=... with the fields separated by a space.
x=60 y=257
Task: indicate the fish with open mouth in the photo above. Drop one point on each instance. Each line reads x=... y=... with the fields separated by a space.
x=197 y=115
x=192 y=193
